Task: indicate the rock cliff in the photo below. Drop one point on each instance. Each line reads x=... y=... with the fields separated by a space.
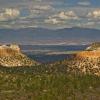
x=88 y=54
x=87 y=62
x=11 y=56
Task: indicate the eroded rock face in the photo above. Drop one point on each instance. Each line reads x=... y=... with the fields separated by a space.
x=88 y=54
x=87 y=62
x=9 y=50
x=11 y=56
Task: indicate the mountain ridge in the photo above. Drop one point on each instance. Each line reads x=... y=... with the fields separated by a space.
x=37 y=35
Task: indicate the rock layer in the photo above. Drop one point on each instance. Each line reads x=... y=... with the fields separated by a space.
x=88 y=54
x=11 y=56
x=87 y=62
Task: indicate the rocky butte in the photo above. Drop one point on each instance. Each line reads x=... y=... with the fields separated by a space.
x=87 y=61
x=11 y=56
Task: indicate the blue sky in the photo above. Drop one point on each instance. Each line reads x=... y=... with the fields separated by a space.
x=50 y=13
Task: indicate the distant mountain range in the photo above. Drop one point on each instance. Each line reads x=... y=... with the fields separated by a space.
x=47 y=36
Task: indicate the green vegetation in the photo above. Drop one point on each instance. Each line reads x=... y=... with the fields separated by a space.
x=47 y=83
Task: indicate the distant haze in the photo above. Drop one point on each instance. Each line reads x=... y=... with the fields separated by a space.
x=46 y=36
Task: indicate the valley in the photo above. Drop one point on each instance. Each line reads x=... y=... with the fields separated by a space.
x=51 y=53
x=74 y=75
x=49 y=49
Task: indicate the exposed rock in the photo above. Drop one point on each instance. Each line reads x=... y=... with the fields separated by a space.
x=9 y=50
x=88 y=54
x=11 y=56
x=94 y=46
x=87 y=62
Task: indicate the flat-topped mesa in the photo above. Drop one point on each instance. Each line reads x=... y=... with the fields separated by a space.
x=93 y=51
x=9 y=50
x=88 y=54
x=85 y=62
x=11 y=56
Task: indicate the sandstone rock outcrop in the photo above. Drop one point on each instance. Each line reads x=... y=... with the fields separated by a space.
x=11 y=56
x=9 y=50
x=83 y=62
x=88 y=54
x=87 y=62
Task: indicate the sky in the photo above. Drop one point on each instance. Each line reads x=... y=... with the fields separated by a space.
x=53 y=14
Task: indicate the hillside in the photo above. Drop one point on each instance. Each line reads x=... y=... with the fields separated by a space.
x=86 y=62
x=11 y=56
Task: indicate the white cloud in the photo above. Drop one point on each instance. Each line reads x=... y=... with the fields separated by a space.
x=67 y=15
x=61 y=17
x=90 y=23
x=12 y=12
x=9 y=13
x=84 y=3
x=40 y=10
x=52 y=21
x=94 y=14
x=43 y=7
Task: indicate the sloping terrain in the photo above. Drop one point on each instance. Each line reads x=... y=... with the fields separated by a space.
x=86 y=62
x=12 y=57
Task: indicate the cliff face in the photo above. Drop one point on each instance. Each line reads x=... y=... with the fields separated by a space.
x=8 y=51
x=11 y=56
x=88 y=54
x=87 y=62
